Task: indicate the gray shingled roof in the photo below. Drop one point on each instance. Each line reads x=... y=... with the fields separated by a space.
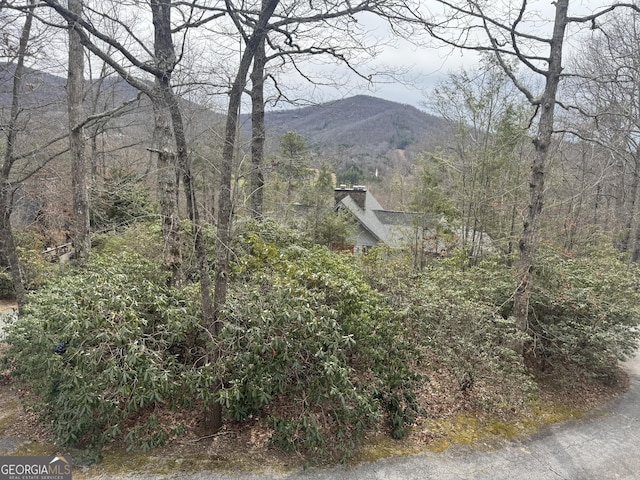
x=388 y=217
x=366 y=217
x=394 y=229
x=391 y=228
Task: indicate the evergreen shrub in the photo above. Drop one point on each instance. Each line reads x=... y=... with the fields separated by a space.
x=459 y=314
x=312 y=348
x=6 y=285
x=585 y=311
x=100 y=348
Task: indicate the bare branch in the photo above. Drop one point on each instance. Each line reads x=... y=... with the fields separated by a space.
x=109 y=40
x=591 y=18
x=108 y=113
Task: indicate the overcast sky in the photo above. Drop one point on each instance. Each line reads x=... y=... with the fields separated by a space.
x=418 y=69
x=410 y=72
x=426 y=66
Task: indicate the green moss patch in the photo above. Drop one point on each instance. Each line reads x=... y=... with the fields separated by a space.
x=382 y=446
x=470 y=428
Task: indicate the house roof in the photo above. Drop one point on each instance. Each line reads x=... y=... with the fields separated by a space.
x=390 y=217
x=397 y=229
x=389 y=227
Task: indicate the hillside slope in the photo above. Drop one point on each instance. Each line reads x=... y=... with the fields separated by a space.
x=362 y=123
x=371 y=133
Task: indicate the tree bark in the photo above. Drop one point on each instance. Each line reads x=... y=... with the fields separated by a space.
x=257 y=132
x=6 y=189
x=225 y=205
x=165 y=52
x=184 y=163
x=79 y=177
x=213 y=414
x=167 y=187
x=163 y=137
x=542 y=142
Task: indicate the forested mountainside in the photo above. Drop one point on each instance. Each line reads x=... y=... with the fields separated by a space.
x=365 y=131
x=43 y=97
x=360 y=130
x=372 y=124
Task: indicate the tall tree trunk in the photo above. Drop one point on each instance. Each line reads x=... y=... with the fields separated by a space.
x=225 y=207
x=96 y=162
x=542 y=142
x=165 y=52
x=258 y=132
x=632 y=235
x=166 y=169
x=163 y=137
x=213 y=414
x=79 y=175
x=184 y=163
x=6 y=189
x=213 y=421
x=512 y=233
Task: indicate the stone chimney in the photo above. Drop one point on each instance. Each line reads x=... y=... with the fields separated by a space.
x=358 y=193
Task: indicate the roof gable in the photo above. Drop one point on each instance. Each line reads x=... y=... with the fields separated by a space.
x=389 y=227
x=366 y=217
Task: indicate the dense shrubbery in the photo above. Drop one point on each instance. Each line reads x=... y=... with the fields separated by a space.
x=6 y=285
x=122 y=200
x=308 y=346
x=36 y=269
x=144 y=239
x=101 y=347
x=457 y=312
x=586 y=312
x=319 y=345
x=313 y=347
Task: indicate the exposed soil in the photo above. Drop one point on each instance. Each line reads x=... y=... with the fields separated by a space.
x=7 y=304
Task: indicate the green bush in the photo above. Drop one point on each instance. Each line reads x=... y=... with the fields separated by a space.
x=36 y=269
x=123 y=199
x=100 y=348
x=385 y=343
x=459 y=312
x=144 y=239
x=585 y=312
x=290 y=354
x=320 y=345
x=6 y=285
x=312 y=348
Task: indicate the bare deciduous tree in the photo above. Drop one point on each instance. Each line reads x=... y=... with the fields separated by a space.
x=486 y=157
x=77 y=145
x=326 y=31
x=225 y=205
x=505 y=32
x=6 y=188
x=170 y=143
x=607 y=92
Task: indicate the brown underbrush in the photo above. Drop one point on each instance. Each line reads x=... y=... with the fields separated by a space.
x=451 y=416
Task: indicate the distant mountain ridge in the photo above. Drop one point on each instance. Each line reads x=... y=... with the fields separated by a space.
x=363 y=122
x=363 y=130
x=40 y=87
